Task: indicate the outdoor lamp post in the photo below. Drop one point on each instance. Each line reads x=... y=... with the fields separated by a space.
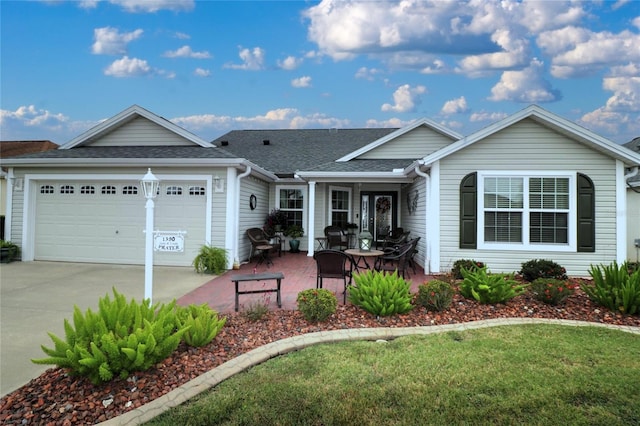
x=150 y=185
x=366 y=240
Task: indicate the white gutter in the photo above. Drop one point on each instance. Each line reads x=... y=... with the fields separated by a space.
x=233 y=235
x=632 y=173
x=427 y=200
x=10 y=177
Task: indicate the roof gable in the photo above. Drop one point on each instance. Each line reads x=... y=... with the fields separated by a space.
x=546 y=119
x=422 y=123
x=145 y=127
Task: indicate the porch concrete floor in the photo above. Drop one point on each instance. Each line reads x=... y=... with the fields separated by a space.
x=299 y=274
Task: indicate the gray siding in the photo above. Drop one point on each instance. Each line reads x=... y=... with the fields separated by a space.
x=415 y=221
x=251 y=218
x=528 y=146
x=417 y=143
x=141 y=132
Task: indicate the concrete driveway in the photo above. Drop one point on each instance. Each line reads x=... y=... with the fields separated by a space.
x=36 y=297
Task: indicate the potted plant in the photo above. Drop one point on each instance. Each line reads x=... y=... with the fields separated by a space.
x=351 y=227
x=276 y=221
x=294 y=232
x=8 y=251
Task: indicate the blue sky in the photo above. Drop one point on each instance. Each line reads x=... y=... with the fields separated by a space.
x=215 y=66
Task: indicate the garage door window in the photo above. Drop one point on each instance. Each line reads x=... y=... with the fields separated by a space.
x=196 y=190
x=174 y=190
x=47 y=189
x=108 y=190
x=130 y=190
x=67 y=189
x=88 y=189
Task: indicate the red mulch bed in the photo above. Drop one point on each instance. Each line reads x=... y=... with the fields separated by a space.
x=55 y=398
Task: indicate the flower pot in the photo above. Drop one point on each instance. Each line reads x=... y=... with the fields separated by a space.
x=5 y=255
x=295 y=246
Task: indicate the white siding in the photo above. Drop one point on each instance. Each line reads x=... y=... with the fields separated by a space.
x=140 y=132
x=528 y=146
x=417 y=143
x=633 y=224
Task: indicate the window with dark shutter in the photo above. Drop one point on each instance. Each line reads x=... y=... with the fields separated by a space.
x=586 y=214
x=468 y=211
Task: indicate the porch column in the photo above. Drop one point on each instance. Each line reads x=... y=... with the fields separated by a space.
x=311 y=219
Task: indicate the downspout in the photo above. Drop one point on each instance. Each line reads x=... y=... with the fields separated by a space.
x=236 y=224
x=633 y=172
x=311 y=219
x=8 y=218
x=427 y=201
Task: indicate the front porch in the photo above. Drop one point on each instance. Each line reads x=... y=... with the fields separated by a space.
x=299 y=274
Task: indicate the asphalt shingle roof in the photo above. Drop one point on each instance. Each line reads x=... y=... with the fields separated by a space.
x=291 y=150
x=132 y=152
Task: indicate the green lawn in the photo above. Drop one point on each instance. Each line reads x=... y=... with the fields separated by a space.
x=533 y=374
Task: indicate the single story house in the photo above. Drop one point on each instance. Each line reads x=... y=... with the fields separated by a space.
x=533 y=185
x=633 y=201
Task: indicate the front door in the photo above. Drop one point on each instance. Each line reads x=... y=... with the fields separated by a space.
x=378 y=211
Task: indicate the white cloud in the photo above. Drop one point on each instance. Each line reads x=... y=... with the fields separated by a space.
x=182 y=36
x=282 y=118
x=88 y=4
x=527 y=86
x=186 y=52
x=368 y=73
x=128 y=67
x=487 y=116
x=455 y=106
x=201 y=72
x=578 y=52
x=26 y=121
x=626 y=93
x=301 y=82
x=406 y=99
x=109 y=41
x=290 y=63
x=152 y=6
x=253 y=60
x=392 y=123
x=494 y=35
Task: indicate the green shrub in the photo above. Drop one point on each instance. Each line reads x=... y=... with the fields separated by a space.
x=380 y=293
x=435 y=295
x=485 y=287
x=202 y=324
x=210 y=260
x=551 y=291
x=468 y=264
x=615 y=288
x=542 y=268
x=118 y=339
x=317 y=304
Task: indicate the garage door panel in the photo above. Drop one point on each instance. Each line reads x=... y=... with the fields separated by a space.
x=109 y=228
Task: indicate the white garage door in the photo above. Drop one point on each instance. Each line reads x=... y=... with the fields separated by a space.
x=104 y=222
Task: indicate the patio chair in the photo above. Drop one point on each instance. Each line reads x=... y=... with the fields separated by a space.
x=333 y=264
x=396 y=261
x=336 y=238
x=261 y=242
x=393 y=242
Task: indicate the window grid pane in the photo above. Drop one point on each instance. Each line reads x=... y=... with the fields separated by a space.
x=292 y=203
x=503 y=227
x=550 y=228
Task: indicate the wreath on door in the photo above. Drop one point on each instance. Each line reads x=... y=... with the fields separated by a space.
x=383 y=205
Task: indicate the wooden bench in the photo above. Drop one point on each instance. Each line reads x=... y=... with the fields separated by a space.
x=267 y=276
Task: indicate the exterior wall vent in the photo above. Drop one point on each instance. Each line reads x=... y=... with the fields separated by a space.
x=224 y=143
x=266 y=142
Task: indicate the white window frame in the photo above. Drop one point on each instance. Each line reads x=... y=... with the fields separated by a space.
x=571 y=246
x=305 y=201
x=350 y=198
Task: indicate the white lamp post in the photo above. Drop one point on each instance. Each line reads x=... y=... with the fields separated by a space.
x=150 y=185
